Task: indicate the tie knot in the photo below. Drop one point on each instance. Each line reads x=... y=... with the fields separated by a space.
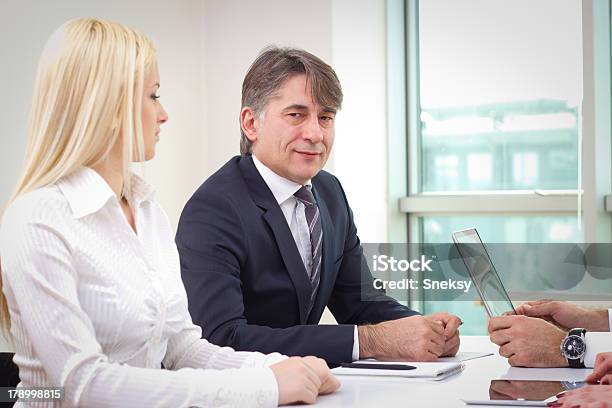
x=305 y=195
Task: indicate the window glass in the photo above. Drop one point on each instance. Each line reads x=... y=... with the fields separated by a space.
x=500 y=90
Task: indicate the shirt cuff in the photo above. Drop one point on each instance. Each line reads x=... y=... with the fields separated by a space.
x=270 y=398
x=596 y=342
x=610 y=319
x=258 y=388
x=256 y=359
x=269 y=395
x=234 y=387
x=356 y=345
x=274 y=358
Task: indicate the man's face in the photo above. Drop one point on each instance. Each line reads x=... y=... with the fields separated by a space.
x=294 y=135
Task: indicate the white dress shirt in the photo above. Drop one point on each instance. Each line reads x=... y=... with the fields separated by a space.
x=97 y=308
x=598 y=342
x=294 y=212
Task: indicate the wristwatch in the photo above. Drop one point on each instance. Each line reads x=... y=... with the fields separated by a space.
x=573 y=347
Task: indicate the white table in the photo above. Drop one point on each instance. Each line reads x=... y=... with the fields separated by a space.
x=361 y=391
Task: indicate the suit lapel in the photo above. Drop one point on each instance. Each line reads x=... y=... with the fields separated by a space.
x=273 y=216
x=325 y=284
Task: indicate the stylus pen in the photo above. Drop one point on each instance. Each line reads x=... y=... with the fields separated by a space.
x=375 y=366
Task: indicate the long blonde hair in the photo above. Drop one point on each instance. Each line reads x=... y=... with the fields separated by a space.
x=87 y=95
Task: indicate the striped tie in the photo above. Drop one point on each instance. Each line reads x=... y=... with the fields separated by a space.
x=311 y=210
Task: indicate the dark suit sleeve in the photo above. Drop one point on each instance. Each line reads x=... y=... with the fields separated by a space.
x=354 y=285
x=212 y=248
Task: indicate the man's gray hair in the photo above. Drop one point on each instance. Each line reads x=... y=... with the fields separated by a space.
x=273 y=67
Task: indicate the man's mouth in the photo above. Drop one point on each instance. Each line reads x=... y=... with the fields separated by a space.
x=308 y=153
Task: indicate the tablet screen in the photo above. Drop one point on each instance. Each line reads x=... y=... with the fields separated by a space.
x=483 y=273
x=522 y=392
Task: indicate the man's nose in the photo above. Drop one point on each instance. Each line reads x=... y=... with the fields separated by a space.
x=313 y=131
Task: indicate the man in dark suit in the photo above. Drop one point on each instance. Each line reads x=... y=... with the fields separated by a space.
x=268 y=241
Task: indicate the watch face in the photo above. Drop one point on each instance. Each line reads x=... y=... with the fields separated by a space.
x=573 y=347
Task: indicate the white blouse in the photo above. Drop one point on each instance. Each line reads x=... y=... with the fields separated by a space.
x=96 y=308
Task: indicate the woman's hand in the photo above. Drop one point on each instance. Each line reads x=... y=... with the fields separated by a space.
x=302 y=379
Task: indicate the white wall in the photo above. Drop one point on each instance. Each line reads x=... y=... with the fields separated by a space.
x=235 y=32
x=205 y=48
x=360 y=152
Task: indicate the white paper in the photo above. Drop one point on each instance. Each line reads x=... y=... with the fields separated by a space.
x=432 y=371
x=464 y=356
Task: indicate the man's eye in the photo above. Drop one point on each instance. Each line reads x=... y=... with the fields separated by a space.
x=327 y=118
x=155 y=97
x=295 y=115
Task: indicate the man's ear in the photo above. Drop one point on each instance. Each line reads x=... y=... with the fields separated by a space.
x=249 y=122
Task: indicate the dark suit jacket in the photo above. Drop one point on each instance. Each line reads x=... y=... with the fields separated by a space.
x=245 y=280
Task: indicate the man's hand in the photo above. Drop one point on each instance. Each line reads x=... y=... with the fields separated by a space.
x=527 y=341
x=413 y=338
x=303 y=379
x=566 y=315
x=451 y=331
x=591 y=396
x=602 y=371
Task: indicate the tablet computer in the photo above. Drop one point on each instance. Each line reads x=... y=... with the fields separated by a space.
x=524 y=393
x=483 y=273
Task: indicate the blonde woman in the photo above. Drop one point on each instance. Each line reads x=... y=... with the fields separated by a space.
x=90 y=271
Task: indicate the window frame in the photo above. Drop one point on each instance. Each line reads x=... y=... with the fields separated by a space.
x=593 y=198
